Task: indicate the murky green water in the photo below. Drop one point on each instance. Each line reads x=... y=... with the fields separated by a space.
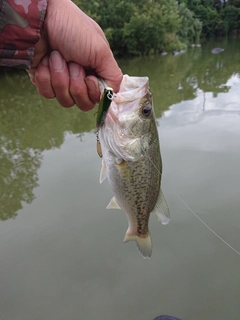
x=61 y=251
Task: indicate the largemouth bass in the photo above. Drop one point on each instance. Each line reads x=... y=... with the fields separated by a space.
x=132 y=160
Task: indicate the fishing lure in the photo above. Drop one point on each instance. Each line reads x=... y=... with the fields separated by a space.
x=99 y=148
x=104 y=106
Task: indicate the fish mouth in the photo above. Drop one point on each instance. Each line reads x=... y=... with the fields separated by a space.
x=131 y=92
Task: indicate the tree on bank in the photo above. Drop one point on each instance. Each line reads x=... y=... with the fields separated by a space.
x=218 y=17
x=142 y=27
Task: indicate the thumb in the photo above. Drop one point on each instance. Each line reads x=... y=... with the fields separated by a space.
x=108 y=69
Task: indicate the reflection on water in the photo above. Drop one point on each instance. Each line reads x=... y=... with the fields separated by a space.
x=29 y=125
x=63 y=257
x=206 y=104
x=179 y=78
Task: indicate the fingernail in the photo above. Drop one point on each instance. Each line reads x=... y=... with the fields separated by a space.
x=44 y=61
x=56 y=60
x=91 y=85
x=74 y=70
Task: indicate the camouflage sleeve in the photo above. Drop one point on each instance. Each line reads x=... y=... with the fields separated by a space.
x=20 y=24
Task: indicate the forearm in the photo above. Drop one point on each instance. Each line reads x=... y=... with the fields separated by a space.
x=20 y=27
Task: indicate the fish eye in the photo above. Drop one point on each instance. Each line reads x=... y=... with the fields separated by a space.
x=146 y=110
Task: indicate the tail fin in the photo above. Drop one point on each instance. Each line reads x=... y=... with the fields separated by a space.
x=144 y=243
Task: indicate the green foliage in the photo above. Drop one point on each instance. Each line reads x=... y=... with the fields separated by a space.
x=146 y=27
x=143 y=27
x=148 y=31
x=217 y=17
x=190 y=28
x=229 y=19
x=208 y=16
x=235 y=3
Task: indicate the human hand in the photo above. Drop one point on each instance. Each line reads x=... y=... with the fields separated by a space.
x=70 y=55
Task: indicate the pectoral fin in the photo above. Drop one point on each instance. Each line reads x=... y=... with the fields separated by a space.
x=161 y=209
x=123 y=169
x=113 y=204
x=103 y=172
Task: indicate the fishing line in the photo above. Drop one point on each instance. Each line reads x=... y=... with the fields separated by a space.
x=191 y=210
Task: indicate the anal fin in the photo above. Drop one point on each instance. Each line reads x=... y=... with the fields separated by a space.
x=113 y=204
